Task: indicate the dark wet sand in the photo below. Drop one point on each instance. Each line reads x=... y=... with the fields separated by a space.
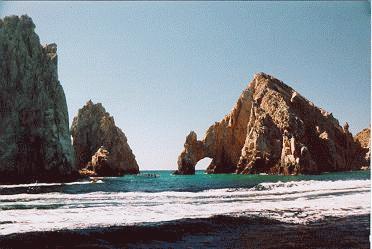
x=215 y=232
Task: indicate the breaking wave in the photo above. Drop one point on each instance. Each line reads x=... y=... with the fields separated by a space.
x=294 y=202
x=31 y=185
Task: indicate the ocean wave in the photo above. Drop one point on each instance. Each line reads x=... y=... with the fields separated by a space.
x=309 y=185
x=296 y=202
x=294 y=188
x=33 y=185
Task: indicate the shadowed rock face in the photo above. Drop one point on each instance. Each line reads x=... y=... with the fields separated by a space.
x=272 y=129
x=35 y=142
x=364 y=154
x=99 y=144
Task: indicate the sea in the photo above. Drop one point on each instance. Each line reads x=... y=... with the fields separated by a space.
x=160 y=196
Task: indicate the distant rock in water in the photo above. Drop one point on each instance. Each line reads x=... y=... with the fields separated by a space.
x=35 y=142
x=272 y=129
x=364 y=154
x=99 y=145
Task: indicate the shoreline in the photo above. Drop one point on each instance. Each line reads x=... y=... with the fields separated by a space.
x=144 y=173
x=215 y=232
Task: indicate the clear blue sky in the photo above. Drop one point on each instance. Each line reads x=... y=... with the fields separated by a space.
x=165 y=68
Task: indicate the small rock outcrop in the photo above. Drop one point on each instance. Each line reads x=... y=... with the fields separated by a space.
x=272 y=129
x=35 y=142
x=99 y=145
x=364 y=154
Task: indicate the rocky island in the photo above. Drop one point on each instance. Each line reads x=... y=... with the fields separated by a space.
x=273 y=129
x=101 y=147
x=35 y=143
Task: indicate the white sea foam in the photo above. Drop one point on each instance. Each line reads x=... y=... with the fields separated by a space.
x=295 y=202
x=31 y=185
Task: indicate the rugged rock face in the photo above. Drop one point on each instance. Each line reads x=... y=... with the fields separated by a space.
x=35 y=141
x=364 y=154
x=99 y=144
x=272 y=129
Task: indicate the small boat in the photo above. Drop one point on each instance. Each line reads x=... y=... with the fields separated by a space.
x=150 y=175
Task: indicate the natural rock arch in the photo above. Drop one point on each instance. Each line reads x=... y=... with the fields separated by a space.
x=203 y=164
x=272 y=129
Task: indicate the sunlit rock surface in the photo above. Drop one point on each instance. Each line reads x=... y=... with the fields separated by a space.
x=364 y=154
x=99 y=144
x=272 y=129
x=35 y=143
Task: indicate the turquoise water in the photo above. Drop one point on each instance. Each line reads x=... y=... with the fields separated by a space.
x=166 y=181
x=134 y=199
x=201 y=181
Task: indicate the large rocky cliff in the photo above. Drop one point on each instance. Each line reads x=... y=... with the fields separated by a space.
x=35 y=143
x=272 y=129
x=99 y=145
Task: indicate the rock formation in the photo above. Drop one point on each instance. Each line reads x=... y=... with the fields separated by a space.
x=99 y=145
x=364 y=153
x=35 y=143
x=272 y=129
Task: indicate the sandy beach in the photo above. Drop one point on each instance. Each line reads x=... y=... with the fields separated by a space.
x=215 y=232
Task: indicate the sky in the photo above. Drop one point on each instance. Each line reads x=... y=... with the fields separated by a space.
x=162 y=69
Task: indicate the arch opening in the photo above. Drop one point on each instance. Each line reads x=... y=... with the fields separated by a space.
x=203 y=163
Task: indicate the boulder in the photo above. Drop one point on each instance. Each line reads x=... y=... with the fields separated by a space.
x=101 y=146
x=272 y=129
x=35 y=142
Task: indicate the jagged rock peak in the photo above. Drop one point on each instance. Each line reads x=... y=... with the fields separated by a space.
x=272 y=129
x=35 y=143
x=90 y=103
x=101 y=146
x=15 y=22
